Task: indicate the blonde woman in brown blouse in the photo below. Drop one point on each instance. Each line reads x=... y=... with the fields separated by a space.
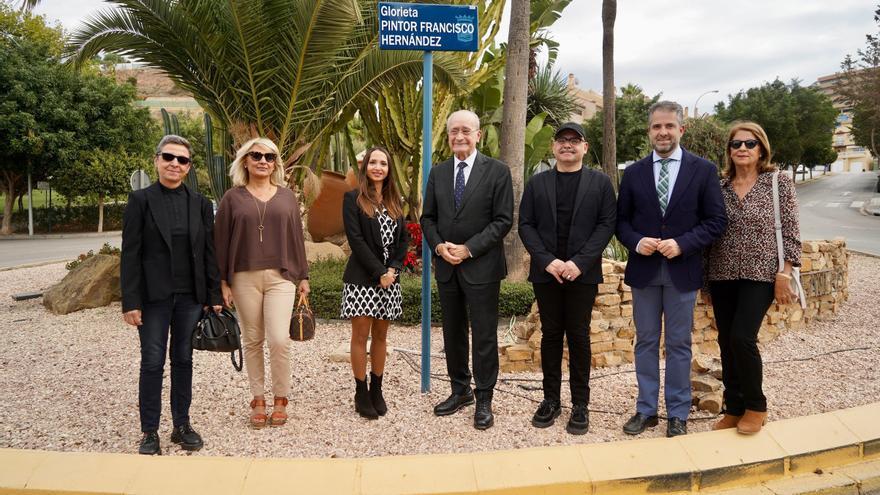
x=743 y=270
x=261 y=253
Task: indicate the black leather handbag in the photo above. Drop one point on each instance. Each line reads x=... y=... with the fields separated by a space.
x=218 y=332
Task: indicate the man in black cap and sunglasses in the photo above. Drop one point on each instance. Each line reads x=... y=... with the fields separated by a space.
x=168 y=275
x=566 y=218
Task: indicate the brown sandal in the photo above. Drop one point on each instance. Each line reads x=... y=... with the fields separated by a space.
x=278 y=418
x=258 y=420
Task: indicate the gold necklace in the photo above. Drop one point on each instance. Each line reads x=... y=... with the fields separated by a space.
x=262 y=215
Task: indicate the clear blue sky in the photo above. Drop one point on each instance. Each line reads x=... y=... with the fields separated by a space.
x=681 y=48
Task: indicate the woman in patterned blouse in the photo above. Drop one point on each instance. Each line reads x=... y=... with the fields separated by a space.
x=743 y=270
x=377 y=236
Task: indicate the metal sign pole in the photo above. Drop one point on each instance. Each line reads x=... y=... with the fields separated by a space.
x=427 y=119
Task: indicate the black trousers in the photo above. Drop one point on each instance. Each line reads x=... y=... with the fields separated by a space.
x=462 y=303
x=565 y=311
x=740 y=306
x=179 y=313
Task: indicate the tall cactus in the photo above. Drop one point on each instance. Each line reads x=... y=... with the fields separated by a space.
x=217 y=164
x=172 y=126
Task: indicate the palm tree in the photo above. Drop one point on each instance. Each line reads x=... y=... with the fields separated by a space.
x=289 y=70
x=609 y=159
x=513 y=123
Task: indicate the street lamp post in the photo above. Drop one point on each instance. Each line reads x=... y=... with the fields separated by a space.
x=697 y=113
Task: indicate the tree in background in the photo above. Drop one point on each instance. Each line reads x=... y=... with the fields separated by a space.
x=631 y=126
x=548 y=94
x=860 y=91
x=706 y=137
x=513 y=124
x=799 y=120
x=35 y=128
x=609 y=128
x=99 y=175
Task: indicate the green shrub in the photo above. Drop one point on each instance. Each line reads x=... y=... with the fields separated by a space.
x=79 y=218
x=105 y=249
x=325 y=280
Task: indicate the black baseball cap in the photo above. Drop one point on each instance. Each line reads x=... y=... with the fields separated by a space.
x=571 y=126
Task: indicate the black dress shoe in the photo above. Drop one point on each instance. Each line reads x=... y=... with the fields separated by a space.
x=638 y=423
x=150 y=444
x=546 y=414
x=676 y=427
x=186 y=437
x=483 y=418
x=579 y=422
x=453 y=403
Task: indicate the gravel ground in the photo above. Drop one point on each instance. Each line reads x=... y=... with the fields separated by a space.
x=69 y=383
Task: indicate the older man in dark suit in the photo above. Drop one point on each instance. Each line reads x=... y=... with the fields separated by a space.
x=566 y=219
x=468 y=209
x=669 y=210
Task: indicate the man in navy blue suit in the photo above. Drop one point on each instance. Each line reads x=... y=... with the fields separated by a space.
x=669 y=209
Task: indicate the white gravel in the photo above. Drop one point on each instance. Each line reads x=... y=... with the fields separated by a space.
x=69 y=383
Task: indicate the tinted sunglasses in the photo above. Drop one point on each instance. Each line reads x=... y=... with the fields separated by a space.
x=737 y=143
x=257 y=156
x=168 y=157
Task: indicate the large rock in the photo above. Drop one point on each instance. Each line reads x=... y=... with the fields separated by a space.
x=94 y=283
x=323 y=250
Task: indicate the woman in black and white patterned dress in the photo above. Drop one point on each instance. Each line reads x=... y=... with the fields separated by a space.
x=377 y=235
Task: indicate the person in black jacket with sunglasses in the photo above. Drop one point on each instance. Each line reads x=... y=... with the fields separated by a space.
x=168 y=276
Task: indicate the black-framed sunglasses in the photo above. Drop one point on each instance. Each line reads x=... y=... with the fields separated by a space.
x=737 y=143
x=169 y=157
x=257 y=156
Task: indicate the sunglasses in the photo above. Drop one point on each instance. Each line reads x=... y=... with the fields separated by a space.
x=737 y=143
x=257 y=156
x=169 y=157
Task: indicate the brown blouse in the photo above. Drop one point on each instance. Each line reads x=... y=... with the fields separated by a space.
x=237 y=234
x=747 y=249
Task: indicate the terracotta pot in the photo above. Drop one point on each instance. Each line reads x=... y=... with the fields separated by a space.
x=325 y=214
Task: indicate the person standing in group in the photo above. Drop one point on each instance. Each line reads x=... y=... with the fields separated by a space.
x=743 y=270
x=262 y=258
x=669 y=210
x=566 y=218
x=468 y=209
x=376 y=231
x=168 y=276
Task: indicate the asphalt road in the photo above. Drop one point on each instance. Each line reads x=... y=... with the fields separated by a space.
x=23 y=251
x=841 y=205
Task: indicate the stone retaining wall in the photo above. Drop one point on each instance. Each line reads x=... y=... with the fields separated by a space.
x=612 y=332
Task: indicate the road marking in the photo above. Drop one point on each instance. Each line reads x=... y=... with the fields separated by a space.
x=875 y=202
x=846 y=193
x=832 y=205
x=856 y=204
x=811 y=204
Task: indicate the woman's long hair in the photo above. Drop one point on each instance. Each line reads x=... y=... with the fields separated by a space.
x=367 y=199
x=766 y=154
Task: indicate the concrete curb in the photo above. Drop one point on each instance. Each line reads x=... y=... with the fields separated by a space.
x=72 y=235
x=784 y=458
x=35 y=264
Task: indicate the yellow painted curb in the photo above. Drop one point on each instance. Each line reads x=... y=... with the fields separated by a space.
x=787 y=452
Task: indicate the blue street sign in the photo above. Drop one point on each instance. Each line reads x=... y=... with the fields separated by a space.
x=428 y=27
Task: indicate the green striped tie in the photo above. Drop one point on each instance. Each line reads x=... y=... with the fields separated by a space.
x=663 y=185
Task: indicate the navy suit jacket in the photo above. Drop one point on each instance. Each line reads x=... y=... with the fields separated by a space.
x=695 y=216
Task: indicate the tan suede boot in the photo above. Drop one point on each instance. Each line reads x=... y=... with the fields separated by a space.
x=751 y=422
x=728 y=421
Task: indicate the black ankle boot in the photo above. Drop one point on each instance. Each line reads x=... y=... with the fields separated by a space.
x=362 y=403
x=376 y=394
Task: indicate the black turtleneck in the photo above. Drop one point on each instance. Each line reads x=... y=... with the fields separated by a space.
x=177 y=205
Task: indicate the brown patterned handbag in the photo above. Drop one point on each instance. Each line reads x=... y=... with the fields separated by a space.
x=302 y=321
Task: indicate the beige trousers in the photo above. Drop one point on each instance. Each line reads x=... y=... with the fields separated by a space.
x=265 y=300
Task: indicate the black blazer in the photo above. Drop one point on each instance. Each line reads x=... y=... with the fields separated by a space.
x=482 y=221
x=592 y=224
x=145 y=271
x=364 y=236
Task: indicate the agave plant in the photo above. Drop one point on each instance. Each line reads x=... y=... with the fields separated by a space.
x=290 y=70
